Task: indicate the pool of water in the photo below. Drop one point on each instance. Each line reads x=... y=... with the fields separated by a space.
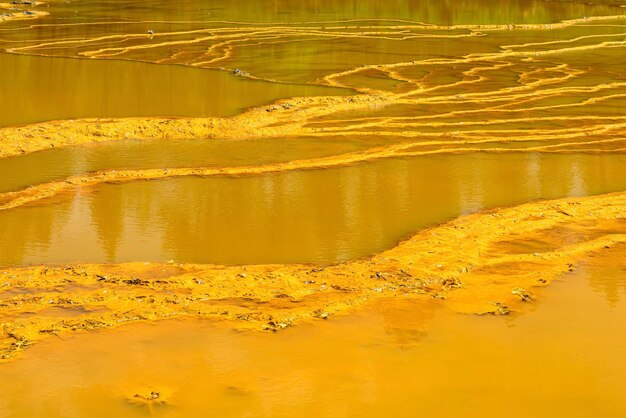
x=562 y=356
x=37 y=89
x=434 y=12
x=286 y=41
x=53 y=164
x=321 y=216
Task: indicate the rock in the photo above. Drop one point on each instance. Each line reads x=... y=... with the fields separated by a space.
x=275 y=325
x=150 y=397
x=321 y=314
x=501 y=309
x=240 y=73
x=522 y=294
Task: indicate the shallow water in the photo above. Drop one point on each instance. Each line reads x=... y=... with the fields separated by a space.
x=55 y=164
x=562 y=357
x=294 y=216
x=37 y=89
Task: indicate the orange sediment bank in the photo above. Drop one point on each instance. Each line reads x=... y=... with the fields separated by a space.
x=279 y=119
x=486 y=263
x=301 y=116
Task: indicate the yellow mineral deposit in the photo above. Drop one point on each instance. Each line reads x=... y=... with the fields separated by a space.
x=322 y=209
x=400 y=356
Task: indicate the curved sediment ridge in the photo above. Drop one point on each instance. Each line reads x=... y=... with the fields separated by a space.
x=301 y=117
x=512 y=85
x=479 y=263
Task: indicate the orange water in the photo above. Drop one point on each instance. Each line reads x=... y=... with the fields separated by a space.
x=323 y=215
x=562 y=357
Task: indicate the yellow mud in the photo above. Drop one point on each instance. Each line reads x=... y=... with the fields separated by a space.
x=479 y=263
x=562 y=355
x=292 y=118
x=281 y=119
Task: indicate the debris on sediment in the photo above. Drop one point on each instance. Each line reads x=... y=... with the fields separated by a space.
x=524 y=296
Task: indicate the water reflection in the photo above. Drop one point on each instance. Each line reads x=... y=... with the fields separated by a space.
x=300 y=216
x=606 y=279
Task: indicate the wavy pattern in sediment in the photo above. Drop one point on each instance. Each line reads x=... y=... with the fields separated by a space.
x=527 y=92
x=527 y=97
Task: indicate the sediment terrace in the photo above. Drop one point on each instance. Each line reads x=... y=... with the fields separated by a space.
x=502 y=88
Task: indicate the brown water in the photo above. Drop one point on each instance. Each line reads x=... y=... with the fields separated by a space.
x=37 y=89
x=294 y=216
x=562 y=357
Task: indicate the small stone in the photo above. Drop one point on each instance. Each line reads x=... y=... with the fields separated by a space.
x=518 y=291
